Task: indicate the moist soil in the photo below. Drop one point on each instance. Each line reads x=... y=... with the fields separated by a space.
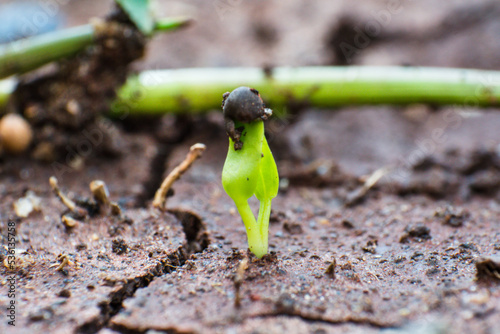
x=416 y=253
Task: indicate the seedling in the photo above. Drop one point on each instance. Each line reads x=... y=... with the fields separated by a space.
x=249 y=168
x=30 y=53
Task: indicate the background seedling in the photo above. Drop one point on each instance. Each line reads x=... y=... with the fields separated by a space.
x=30 y=53
x=249 y=168
x=169 y=91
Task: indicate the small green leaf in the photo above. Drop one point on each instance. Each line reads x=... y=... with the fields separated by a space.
x=267 y=187
x=172 y=23
x=140 y=13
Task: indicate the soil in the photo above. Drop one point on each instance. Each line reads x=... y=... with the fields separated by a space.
x=416 y=253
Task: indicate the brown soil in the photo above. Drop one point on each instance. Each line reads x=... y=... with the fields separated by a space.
x=417 y=254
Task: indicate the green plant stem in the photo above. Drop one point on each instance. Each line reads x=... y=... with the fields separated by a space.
x=256 y=243
x=7 y=87
x=29 y=53
x=172 y=23
x=263 y=223
x=198 y=90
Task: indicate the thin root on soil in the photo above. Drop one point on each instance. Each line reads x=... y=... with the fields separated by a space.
x=161 y=194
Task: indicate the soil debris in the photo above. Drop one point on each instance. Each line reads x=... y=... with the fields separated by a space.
x=454 y=217
x=317 y=174
x=330 y=270
x=371 y=246
x=27 y=204
x=69 y=222
x=276 y=217
x=238 y=280
x=348 y=224
x=480 y=159
x=119 y=246
x=418 y=232
x=292 y=228
x=488 y=269
x=65 y=293
x=115 y=209
x=285 y=304
x=357 y=196
x=485 y=182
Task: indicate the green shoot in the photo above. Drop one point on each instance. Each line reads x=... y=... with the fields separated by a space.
x=30 y=53
x=140 y=13
x=171 y=23
x=25 y=55
x=250 y=171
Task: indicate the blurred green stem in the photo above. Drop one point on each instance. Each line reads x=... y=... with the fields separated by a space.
x=198 y=90
x=172 y=23
x=27 y=54
x=30 y=53
x=263 y=224
x=7 y=87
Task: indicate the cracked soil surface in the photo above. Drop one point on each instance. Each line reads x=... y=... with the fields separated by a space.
x=409 y=257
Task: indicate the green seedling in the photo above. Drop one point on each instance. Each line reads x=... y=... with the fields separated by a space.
x=249 y=168
x=25 y=55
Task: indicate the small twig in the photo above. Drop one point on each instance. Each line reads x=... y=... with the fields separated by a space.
x=171 y=265
x=217 y=288
x=64 y=199
x=330 y=270
x=69 y=222
x=357 y=195
x=238 y=280
x=373 y=275
x=99 y=191
x=64 y=261
x=115 y=209
x=161 y=194
x=54 y=184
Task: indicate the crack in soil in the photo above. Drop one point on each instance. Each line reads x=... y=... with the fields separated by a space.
x=167 y=138
x=157 y=168
x=170 y=330
x=319 y=319
x=305 y=317
x=197 y=240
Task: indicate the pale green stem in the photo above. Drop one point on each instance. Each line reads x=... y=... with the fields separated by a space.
x=263 y=223
x=198 y=90
x=172 y=23
x=29 y=53
x=256 y=243
x=7 y=87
